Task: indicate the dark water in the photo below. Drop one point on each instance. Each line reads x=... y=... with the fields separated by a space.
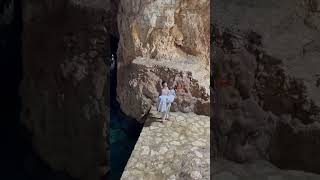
x=124 y=133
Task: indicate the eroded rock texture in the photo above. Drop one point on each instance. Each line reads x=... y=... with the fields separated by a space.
x=163 y=40
x=174 y=149
x=63 y=89
x=266 y=59
x=258 y=170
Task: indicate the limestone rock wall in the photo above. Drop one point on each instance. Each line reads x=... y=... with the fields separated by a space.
x=63 y=88
x=171 y=31
x=266 y=81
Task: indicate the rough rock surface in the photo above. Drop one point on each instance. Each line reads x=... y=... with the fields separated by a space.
x=170 y=31
x=267 y=81
x=174 y=149
x=258 y=170
x=63 y=88
x=143 y=85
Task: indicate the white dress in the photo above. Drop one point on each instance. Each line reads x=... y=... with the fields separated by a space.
x=165 y=100
x=171 y=96
x=162 y=103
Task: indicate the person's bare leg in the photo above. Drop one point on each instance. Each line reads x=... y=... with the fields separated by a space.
x=167 y=116
x=168 y=111
x=164 y=116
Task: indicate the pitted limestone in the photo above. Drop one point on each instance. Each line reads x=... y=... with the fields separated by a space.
x=174 y=149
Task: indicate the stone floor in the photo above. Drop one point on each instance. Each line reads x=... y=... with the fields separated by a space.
x=178 y=148
x=259 y=170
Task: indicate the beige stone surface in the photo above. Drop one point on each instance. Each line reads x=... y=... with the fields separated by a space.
x=178 y=148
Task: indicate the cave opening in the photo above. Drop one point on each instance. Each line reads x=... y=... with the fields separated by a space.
x=124 y=131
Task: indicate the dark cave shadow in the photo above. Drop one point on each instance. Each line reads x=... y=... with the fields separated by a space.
x=152 y=119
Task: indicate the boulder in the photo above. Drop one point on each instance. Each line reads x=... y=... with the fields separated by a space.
x=141 y=86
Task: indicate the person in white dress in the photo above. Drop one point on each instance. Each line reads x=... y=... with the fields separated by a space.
x=165 y=99
x=170 y=99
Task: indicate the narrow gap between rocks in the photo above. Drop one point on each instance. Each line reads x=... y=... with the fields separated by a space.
x=124 y=131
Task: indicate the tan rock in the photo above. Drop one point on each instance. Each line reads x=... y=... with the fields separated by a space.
x=140 y=88
x=163 y=40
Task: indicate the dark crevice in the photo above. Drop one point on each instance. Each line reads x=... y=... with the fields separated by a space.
x=124 y=131
x=10 y=49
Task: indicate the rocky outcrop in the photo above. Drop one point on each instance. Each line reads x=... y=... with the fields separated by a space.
x=265 y=59
x=258 y=170
x=292 y=138
x=144 y=81
x=172 y=38
x=63 y=88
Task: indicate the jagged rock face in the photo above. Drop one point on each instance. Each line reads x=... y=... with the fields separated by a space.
x=265 y=59
x=294 y=139
x=63 y=88
x=144 y=81
x=167 y=35
x=113 y=10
